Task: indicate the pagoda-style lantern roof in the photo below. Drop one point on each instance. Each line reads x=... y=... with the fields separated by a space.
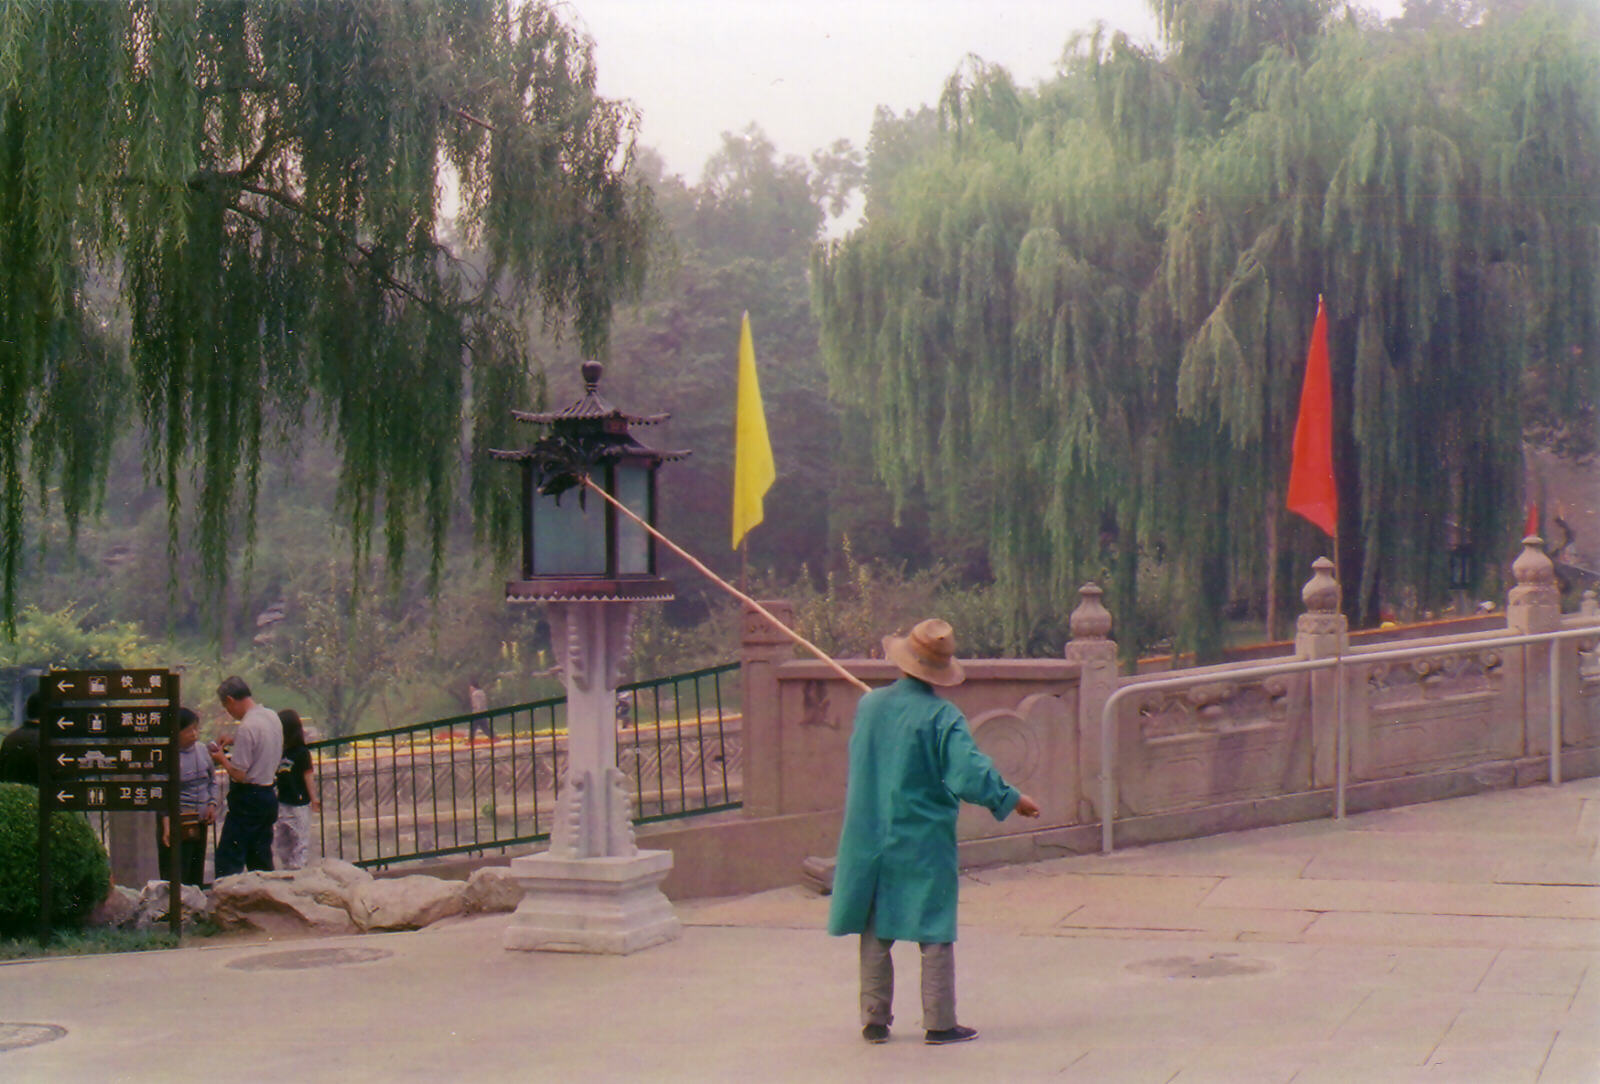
x=576 y=546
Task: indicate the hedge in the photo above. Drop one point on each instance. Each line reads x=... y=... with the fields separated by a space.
x=80 y=875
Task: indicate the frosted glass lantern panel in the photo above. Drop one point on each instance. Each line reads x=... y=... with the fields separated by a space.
x=633 y=544
x=569 y=539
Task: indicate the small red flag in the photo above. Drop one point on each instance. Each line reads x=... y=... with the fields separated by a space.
x=1313 y=492
x=1532 y=526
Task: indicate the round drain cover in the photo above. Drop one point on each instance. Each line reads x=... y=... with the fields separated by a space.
x=17 y=1036
x=304 y=959
x=1219 y=965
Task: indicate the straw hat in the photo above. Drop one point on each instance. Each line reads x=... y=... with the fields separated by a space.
x=929 y=653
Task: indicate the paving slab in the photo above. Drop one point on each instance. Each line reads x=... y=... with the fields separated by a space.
x=1408 y=897
x=1367 y=927
x=1539 y=971
x=1453 y=942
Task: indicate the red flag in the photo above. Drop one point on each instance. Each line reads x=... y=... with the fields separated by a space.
x=1312 y=490
x=1532 y=526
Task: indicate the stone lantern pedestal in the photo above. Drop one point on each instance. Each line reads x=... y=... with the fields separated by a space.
x=594 y=890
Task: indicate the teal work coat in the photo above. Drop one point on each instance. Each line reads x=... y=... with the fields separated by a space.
x=912 y=763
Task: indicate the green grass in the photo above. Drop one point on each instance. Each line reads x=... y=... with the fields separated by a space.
x=94 y=942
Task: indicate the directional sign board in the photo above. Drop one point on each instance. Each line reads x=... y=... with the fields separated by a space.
x=107 y=722
x=107 y=684
x=123 y=757
x=108 y=742
x=112 y=795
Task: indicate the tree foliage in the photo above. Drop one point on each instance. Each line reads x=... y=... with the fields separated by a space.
x=69 y=639
x=257 y=192
x=339 y=648
x=1078 y=317
x=737 y=239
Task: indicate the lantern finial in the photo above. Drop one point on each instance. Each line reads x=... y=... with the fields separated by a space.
x=591 y=375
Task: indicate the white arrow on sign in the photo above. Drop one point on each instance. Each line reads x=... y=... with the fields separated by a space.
x=63 y=723
x=63 y=686
x=64 y=796
x=64 y=759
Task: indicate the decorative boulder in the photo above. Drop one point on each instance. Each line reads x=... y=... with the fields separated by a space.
x=330 y=885
x=347 y=875
x=278 y=903
x=151 y=910
x=405 y=903
x=117 y=909
x=492 y=888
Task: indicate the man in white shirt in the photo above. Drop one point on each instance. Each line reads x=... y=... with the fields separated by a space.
x=251 y=761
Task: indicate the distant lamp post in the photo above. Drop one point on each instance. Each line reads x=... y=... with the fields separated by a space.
x=1463 y=574
x=594 y=890
x=1463 y=568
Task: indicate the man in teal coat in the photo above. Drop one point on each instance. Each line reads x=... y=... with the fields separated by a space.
x=912 y=763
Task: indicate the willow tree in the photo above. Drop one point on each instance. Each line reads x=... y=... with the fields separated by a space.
x=1084 y=312
x=257 y=194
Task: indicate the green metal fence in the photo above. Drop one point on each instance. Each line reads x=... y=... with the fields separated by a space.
x=479 y=782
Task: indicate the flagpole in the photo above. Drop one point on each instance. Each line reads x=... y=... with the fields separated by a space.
x=732 y=590
x=1341 y=738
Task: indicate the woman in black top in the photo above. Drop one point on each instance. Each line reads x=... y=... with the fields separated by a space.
x=297 y=796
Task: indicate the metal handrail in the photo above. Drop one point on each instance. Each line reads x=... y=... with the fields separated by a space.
x=1108 y=782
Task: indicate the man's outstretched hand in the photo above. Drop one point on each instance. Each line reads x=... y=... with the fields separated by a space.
x=1027 y=807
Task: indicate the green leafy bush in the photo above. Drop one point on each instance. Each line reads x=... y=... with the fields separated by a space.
x=80 y=875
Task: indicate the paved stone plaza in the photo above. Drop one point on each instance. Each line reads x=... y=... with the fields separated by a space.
x=1455 y=941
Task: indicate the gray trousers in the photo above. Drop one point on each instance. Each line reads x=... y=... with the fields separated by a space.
x=877 y=982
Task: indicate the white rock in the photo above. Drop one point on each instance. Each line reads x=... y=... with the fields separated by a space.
x=492 y=888
x=153 y=903
x=274 y=903
x=347 y=874
x=405 y=903
x=318 y=886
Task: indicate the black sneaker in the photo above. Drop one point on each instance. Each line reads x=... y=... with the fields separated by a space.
x=957 y=1034
x=875 y=1033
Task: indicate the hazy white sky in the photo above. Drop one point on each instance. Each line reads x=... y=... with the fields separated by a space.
x=811 y=71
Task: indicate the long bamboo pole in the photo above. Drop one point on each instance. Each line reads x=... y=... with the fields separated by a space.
x=732 y=590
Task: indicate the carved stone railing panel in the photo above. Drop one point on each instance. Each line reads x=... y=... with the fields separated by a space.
x=1437 y=712
x=1215 y=742
x=1035 y=746
x=1414 y=682
x=1581 y=725
x=805 y=734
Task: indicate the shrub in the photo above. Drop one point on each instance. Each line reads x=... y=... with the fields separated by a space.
x=80 y=875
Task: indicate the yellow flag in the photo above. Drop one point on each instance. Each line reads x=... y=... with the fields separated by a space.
x=753 y=470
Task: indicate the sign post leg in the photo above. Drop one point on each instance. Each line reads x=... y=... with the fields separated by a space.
x=174 y=815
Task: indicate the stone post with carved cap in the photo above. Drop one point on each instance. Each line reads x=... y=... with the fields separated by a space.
x=1322 y=632
x=1534 y=605
x=1092 y=648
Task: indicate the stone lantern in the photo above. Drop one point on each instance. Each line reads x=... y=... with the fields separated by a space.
x=594 y=890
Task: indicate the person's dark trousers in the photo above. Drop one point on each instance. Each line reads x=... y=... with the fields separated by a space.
x=246 y=841
x=193 y=861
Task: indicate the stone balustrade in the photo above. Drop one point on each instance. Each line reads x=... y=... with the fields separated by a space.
x=1230 y=751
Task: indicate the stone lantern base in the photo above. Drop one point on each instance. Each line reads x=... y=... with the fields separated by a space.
x=611 y=906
